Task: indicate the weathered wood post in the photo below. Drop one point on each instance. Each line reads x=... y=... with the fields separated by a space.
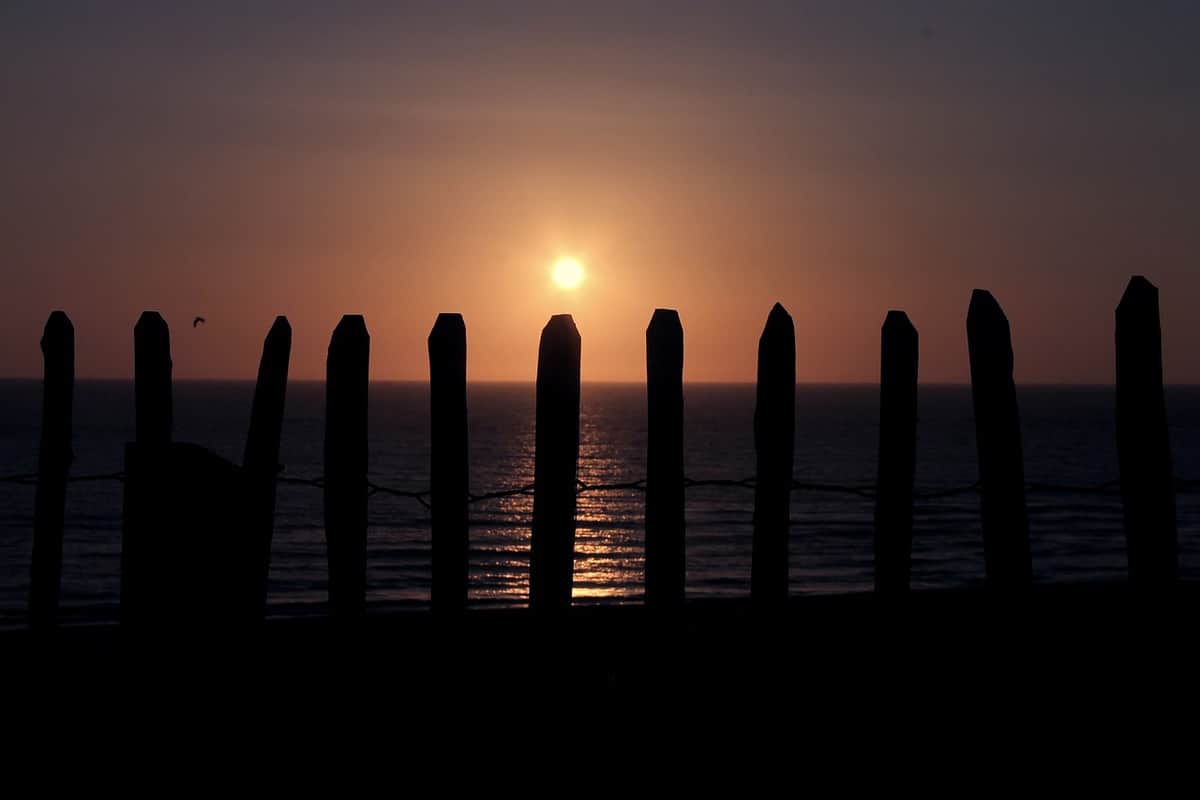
x=152 y=379
x=448 y=477
x=54 y=463
x=1005 y=521
x=261 y=459
x=1143 y=442
x=147 y=478
x=897 y=453
x=774 y=443
x=552 y=551
x=345 y=492
x=665 y=553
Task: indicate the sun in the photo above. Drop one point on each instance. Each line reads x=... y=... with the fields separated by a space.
x=567 y=273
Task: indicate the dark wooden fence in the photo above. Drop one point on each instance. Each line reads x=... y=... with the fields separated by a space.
x=175 y=492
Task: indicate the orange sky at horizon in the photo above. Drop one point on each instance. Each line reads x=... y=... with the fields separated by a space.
x=237 y=167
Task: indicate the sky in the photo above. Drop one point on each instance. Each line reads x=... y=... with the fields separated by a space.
x=242 y=160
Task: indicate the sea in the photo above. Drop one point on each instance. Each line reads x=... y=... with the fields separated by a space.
x=1068 y=434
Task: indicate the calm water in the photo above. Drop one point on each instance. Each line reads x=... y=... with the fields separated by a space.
x=1068 y=439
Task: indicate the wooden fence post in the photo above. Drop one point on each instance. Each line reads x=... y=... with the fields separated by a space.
x=147 y=460
x=1143 y=441
x=897 y=453
x=1005 y=521
x=665 y=549
x=448 y=453
x=345 y=492
x=261 y=459
x=152 y=379
x=556 y=462
x=774 y=444
x=54 y=463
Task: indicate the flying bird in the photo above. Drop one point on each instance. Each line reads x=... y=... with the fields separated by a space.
x=196 y=322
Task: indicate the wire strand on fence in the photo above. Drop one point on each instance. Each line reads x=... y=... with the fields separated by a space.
x=31 y=479
x=864 y=491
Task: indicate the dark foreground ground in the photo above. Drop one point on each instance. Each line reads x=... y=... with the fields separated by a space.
x=967 y=688
x=972 y=687
x=1065 y=642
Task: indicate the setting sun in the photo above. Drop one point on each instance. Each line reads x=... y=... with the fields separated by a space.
x=567 y=273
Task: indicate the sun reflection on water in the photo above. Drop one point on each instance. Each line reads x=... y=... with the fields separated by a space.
x=608 y=532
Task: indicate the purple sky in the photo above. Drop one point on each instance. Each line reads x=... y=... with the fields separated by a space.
x=398 y=160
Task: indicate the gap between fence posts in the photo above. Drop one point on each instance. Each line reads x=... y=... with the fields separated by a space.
x=345 y=487
x=556 y=464
x=897 y=453
x=774 y=444
x=1143 y=440
x=1005 y=520
x=448 y=457
x=665 y=553
x=54 y=464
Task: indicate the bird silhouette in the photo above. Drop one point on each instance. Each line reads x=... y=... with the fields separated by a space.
x=196 y=322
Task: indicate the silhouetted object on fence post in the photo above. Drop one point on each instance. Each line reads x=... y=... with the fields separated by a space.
x=1143 y=442
x=552 y=556
x=189 y=553
x=774 y=443
x=448 y=482
x=188 y=559
x=152 y=379
x=346 y=466
x=54 y=463
x=897 y=453
x=665 y=556
x=1005 y=521
x=261 y=458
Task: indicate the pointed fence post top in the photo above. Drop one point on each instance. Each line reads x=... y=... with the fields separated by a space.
x=448 y=331
x=152 y=338
x=664 y=320
x=777 y=344
x=560 y=339
x=349 y=328
x=988 y=337
x=779 y=330
x=779 y=319
x=447 y=324
x=150 y=323
x=58 y=326
x=664 y=336
x=1139 y=295
x=560 y=325
x=58 y=339
x=280 y=328
x=897 y=321
x=984 y=310
x=277 y=346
